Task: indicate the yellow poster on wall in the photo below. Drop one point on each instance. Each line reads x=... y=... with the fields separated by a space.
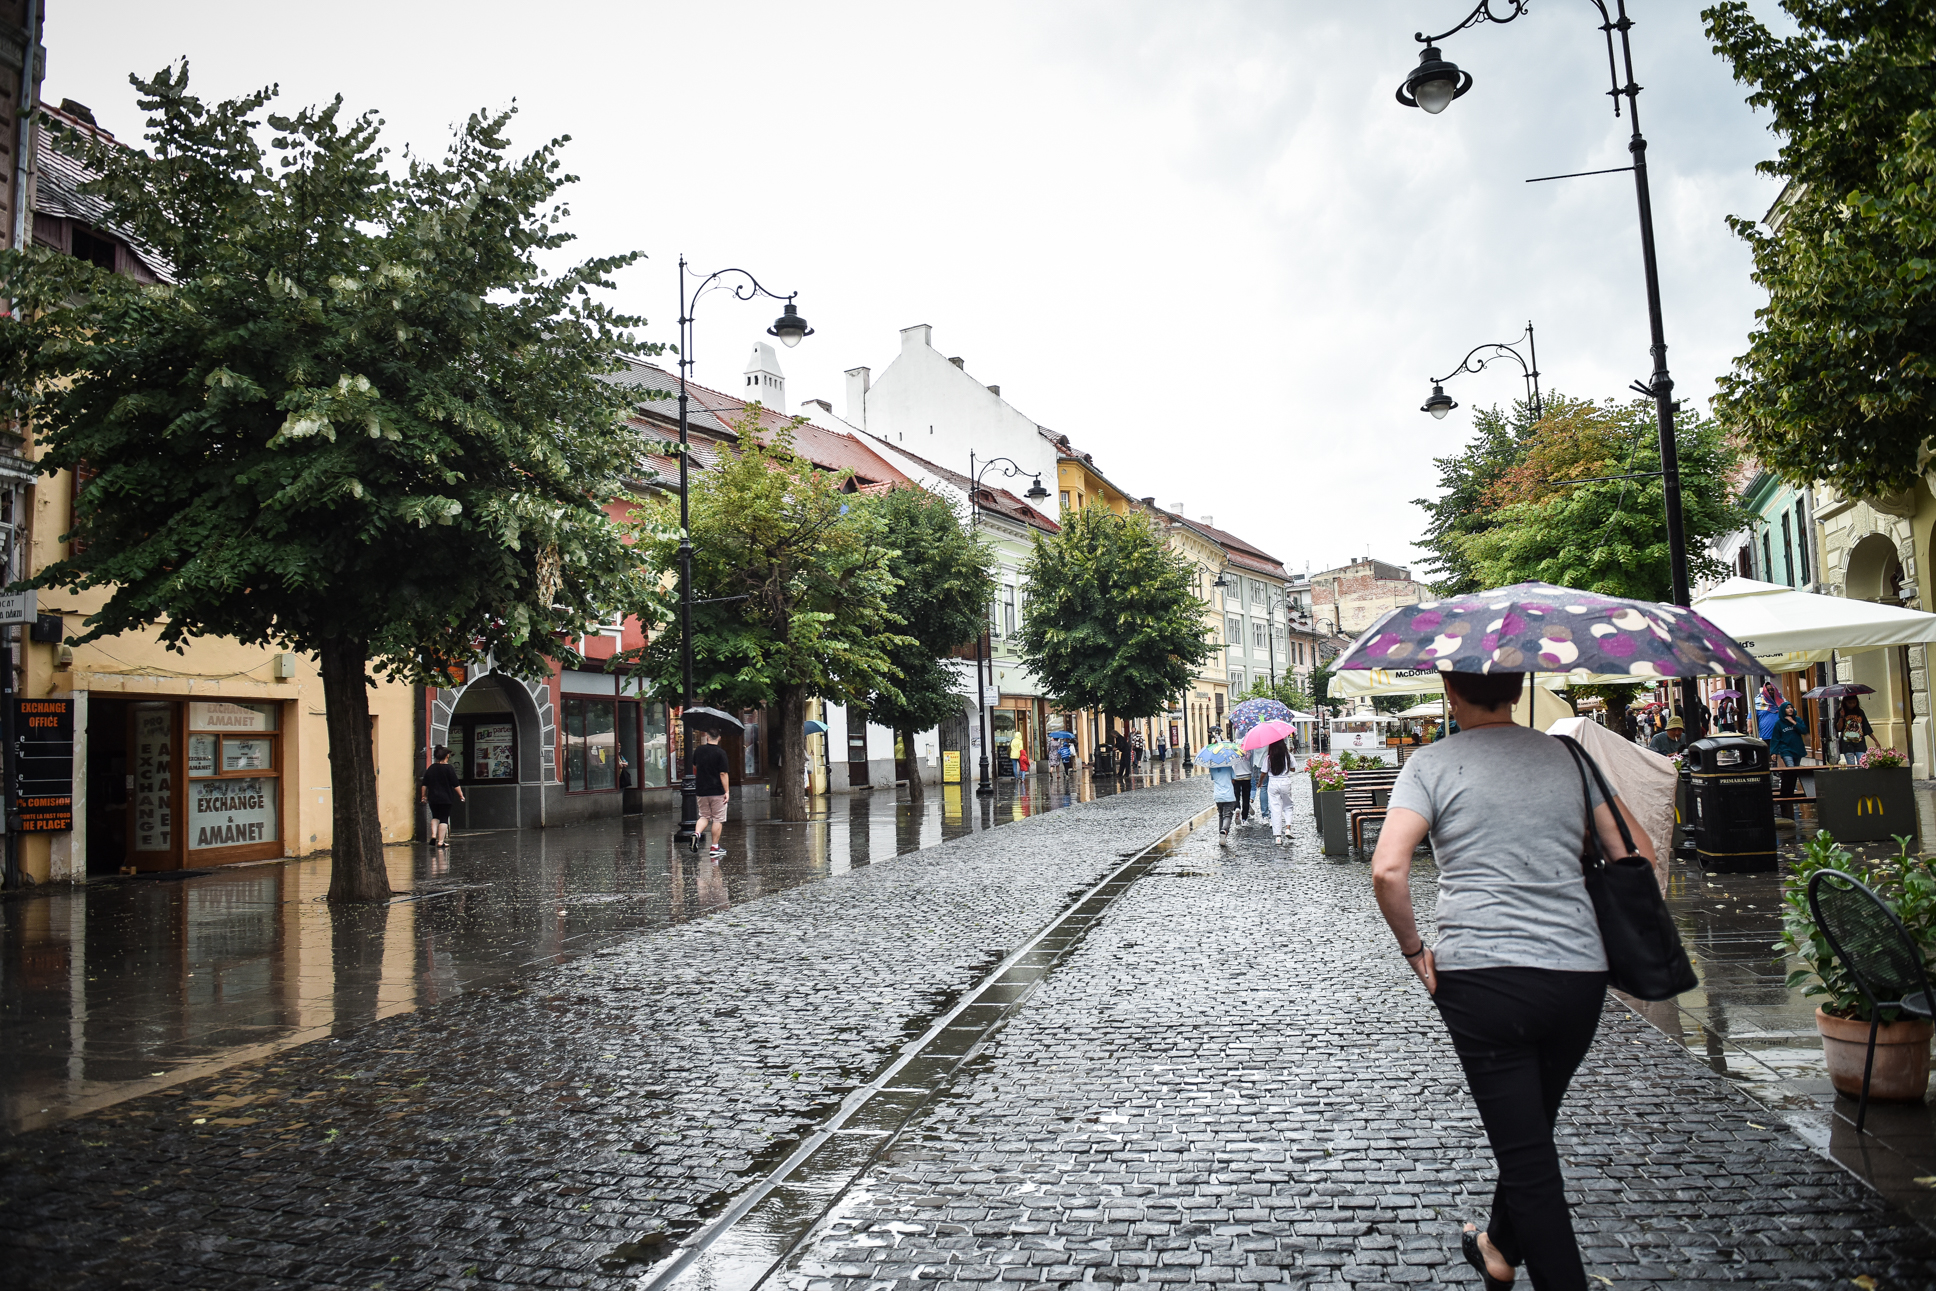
x=951 y=766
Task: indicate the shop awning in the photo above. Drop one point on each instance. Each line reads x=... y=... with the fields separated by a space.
x=1789 y=629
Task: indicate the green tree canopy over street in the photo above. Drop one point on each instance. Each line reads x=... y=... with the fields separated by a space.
x=799 y=575
x=361 y=421
x=945 y=580
x=1510 y=515
x=1112 y=623
x=1837 y=382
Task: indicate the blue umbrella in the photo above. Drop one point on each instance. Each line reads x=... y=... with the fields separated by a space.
x=1062 y=735
x=1220 y=754
x=1245 y=716
x=815 y=728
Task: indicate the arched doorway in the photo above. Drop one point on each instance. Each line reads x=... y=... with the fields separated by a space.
x=500 y=738
x=1875 y=573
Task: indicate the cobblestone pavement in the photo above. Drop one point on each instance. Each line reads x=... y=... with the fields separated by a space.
x=1235 y=1080
x=561 y=1128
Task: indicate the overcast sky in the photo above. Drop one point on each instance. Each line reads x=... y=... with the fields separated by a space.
x=1202 y=240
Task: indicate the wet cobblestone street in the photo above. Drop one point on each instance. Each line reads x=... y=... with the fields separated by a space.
x=1220 y=1073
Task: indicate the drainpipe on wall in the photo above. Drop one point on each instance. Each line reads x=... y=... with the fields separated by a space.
x=24 y=122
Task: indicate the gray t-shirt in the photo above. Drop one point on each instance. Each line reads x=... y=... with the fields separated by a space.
x=1507 y=822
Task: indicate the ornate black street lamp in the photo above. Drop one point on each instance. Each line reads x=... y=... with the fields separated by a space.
x=790 y=329
x=1441 y=403
x=1011 y=468
x=1435 y=83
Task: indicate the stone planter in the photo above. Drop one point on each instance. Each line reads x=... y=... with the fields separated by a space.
x=1901 y=1072
x=1865 y=804
x=1331 y=823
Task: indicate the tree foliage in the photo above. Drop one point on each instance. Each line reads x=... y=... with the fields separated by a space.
x=1286 y=692
x=361 y=421
x=1498 y=442
x=1113 y=619
x=798 y=575
x=1519 y=517
x=1838 y=379
x=944 y=582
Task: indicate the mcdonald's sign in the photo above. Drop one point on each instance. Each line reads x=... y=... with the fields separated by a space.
x=1864 y=804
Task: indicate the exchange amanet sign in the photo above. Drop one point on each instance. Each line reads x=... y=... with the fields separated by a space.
x=231 y=813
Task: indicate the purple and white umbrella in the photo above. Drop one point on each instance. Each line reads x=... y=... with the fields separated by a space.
x=1536 y=627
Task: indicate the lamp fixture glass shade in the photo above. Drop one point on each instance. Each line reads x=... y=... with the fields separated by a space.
x=1433 y=83
x=1035 y=491
x=1439 y=404
x=1221 y=581
x=790 y=327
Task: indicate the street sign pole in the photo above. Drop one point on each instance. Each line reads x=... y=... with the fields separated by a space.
x=12 y=765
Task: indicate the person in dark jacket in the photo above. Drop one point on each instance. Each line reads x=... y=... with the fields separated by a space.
x=1853 y=734
x=440 y=792
x=1785 y=748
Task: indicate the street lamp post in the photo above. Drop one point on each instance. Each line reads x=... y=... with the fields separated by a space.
x=1434 y=83
x=1441 y=403
x=790 y=329
x=1011 y=468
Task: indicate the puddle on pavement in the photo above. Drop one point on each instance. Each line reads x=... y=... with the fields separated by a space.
x=117 y=988
x=739 y=1248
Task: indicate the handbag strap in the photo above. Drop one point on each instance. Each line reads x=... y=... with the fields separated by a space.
x=1582 y=762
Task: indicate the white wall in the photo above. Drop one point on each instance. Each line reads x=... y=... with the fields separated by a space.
x=935 y=409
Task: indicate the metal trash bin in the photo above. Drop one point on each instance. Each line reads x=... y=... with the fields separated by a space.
x=1730 y=804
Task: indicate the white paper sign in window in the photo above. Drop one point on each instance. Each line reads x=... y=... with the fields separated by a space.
x=231 y=813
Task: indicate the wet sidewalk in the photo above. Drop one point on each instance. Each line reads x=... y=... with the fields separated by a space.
x=125 y=986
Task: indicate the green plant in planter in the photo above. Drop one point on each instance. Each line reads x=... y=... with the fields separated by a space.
x=1326 y=775
x=1905 y=882
x=1882 y=759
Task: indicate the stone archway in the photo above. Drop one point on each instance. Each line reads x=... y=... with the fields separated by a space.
x=517 y=805
x=1873 y=571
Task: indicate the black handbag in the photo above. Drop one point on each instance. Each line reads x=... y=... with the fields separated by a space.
x=1645 y=958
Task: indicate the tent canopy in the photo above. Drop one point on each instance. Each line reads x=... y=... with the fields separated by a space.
x=1784 y=626
x=1430 y=708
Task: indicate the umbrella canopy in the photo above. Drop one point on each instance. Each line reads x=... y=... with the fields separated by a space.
x=1802 y=627
x=815 y=728
x=1391 y=681
x=1725 y=694
x=1062 y=735
x=711 y=719
x=1536 y=627
x=1252 y=711
x=1220 y=754
x=1266 y=733
x=1836 y=690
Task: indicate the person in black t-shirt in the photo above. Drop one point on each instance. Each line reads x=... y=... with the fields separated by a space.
x=441 y=792
x=710 y=779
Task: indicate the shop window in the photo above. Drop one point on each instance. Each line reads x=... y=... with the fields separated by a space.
x=655 y=761
x=484 y=748
x=592 y=744
x=234 y=768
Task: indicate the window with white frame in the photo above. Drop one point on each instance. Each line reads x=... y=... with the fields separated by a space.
x=1233 y=630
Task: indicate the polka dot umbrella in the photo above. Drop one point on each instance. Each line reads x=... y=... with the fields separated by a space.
x=1536 y=627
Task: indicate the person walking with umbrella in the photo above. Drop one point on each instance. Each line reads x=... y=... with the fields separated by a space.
x=1853 y=734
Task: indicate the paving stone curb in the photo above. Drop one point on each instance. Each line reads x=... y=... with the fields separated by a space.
x=1236 y=1081
x=564 y=1129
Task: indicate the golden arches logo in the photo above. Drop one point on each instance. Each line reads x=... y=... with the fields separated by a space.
x=1866 y=806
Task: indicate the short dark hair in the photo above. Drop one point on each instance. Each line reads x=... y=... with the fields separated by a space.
x=441 y=752
x=1486 y=689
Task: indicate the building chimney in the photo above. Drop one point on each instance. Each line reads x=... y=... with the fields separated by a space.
x=1150 y=503
x=996 y=391
x=1177 y=507
x=764 y=380
x=956 y=360
x=821 y=404
x=919 y=334
x=1207 y=521
x=858 y=382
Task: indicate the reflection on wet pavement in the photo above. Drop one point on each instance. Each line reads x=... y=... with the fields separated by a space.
x=1748 y=1026
x=119 y=987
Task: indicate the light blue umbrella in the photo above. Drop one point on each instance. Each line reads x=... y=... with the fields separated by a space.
x=1062 y=735
x=1222 y=753
x=815 y=728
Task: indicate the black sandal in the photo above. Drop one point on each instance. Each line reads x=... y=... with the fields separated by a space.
x=1469 y=1244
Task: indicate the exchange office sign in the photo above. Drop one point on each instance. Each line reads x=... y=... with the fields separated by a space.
x=231 y=813
x=41 y=796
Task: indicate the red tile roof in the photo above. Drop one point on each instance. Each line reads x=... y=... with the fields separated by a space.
x=1000 y=501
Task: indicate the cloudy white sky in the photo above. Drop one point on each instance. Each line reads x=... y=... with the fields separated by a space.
x=1200 y=239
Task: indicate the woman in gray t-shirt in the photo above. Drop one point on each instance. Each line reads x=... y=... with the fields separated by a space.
x=1518 y=972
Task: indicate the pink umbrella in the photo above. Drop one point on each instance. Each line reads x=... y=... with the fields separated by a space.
x=1267 y=733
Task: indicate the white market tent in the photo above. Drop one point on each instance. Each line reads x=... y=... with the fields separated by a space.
x=1429 y=708
x=1788 y=629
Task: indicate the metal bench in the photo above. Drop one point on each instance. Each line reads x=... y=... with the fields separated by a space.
x=1886 y=965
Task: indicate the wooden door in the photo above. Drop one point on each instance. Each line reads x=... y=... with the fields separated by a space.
x=856 y=746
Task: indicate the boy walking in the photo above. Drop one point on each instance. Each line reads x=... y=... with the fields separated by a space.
x=440 y=793
x=711 y=780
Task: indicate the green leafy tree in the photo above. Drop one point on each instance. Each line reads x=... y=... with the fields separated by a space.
x=1839 y=381
x=361 y=421
x=1498 y=443
x=1285 y=692
x=945 y=580
x=797 y=573
x=1113 y=621
x=1321 y=684
x=1533 y=521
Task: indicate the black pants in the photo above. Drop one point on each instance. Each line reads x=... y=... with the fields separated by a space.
x=1242 y=786
x=1520 y=1034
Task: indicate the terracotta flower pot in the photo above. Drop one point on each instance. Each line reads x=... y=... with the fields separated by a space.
x=1901 y=1071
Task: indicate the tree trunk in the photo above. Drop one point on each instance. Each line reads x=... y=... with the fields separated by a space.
x=791 y=790
x=356 y=871
x=915 y=791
